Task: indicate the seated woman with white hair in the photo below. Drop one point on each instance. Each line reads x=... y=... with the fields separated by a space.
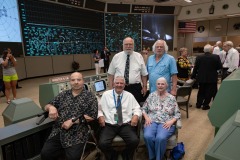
x=161 y=112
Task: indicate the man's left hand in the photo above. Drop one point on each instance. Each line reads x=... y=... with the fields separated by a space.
x=67 y=124
x=144 y=90
x=134 y=120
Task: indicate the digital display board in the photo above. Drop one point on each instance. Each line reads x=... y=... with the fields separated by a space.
x=164 y=9
x=9 y=22
x=142 y=9
x=51 y=29
x=124 y=8
x=120 y=26
x=96 y=5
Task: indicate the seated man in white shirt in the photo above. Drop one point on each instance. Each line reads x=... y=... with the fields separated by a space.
x=118 y=114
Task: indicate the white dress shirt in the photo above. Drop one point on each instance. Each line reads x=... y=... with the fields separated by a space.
x=232 y=60
x=137 y=67
x=107 y=107
x=221 y=54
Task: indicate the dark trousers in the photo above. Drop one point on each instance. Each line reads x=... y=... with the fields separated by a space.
x=53 y=150
x=106 y=65
x=135 y=89
x=206 y=92
x=128 y=134
x=225 y=73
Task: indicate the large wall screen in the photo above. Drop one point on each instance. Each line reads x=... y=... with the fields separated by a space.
x=10 y=32
x=52 y=29
x=156 y=27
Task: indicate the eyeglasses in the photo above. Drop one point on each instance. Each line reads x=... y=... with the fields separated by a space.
x=128 y=44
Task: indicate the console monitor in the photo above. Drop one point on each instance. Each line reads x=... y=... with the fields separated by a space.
x=100 y=86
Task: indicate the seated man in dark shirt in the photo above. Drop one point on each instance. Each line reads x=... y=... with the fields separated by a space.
x=69 y=110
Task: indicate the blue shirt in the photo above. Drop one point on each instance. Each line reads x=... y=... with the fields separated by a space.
x=165 y=67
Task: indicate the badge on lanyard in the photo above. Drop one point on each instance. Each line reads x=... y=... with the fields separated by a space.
x=115 y=117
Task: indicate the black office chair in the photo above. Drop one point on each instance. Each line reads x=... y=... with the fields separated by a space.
x=183 y=97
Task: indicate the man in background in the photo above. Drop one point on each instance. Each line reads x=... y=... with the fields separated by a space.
x=205 y=71
x=105 y=55
x=231 y=61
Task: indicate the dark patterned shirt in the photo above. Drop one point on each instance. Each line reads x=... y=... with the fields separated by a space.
x=68 y=107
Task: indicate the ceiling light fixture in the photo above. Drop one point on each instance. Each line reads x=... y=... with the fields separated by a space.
x=189 y=1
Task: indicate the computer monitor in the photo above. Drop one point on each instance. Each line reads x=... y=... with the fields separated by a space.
x=100 y=86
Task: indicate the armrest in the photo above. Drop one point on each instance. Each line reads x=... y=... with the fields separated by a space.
x=179 y=124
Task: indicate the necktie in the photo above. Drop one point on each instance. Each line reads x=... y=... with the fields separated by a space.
x=126 y=73
x=119 y=111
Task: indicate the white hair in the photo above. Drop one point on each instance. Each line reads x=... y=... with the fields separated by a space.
x=218 y=43
x=164 y=43
x=164 y=80
x=119 y=77
x=229 y=43
x=207 y=48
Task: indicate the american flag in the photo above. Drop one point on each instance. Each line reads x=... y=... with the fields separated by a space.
x=187 y=27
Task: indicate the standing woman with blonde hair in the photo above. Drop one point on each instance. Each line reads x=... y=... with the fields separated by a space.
x=10 y=76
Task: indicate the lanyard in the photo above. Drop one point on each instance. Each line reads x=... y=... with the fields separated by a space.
x=117 y=105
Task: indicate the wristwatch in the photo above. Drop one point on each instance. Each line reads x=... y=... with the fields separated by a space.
x=74 y=119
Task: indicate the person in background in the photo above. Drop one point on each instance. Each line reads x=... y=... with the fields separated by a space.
x=160 y=112
x=231 y=61
x=238 y=49
x=70 y=110
x=136 y=77
x=10 y=76
x=205 y=71
x=118 y=114
x=145 y=55
x=97 y=58
x=219 y=51
x=183 y=65
x=164 y=65
x=105 y=55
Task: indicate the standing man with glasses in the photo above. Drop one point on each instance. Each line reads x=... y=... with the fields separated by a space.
x=129 y=64
x=118 y=114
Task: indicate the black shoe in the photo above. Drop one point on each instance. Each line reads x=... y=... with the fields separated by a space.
x=205 y=107
x=198 y=106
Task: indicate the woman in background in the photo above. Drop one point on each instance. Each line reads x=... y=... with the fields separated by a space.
x=96 y=58
x=10 y=76
x=183 y=65
x=160 y=112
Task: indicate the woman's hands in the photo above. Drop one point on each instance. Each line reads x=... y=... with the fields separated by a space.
x=168 y=124
x=148 y=121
